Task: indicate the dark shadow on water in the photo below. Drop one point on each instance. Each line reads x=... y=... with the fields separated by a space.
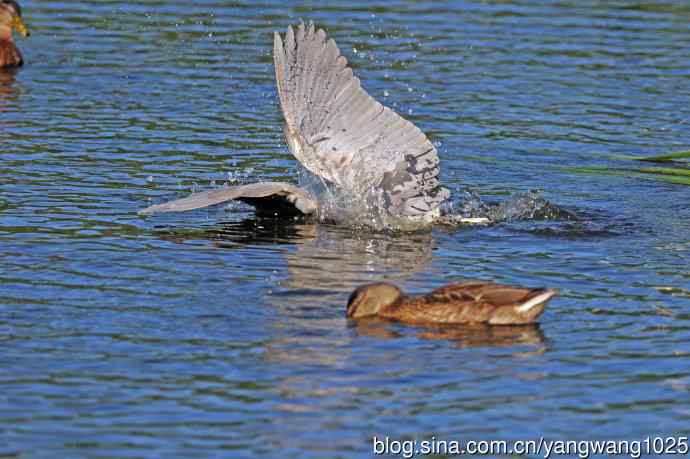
x=461 y=336
x=249 y=231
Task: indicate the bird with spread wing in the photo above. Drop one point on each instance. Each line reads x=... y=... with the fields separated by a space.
x=351 y=143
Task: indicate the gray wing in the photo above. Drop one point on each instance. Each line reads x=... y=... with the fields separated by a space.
x=267 y=197
x=342 y=134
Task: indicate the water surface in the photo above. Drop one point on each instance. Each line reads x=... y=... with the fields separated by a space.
x=214 y=334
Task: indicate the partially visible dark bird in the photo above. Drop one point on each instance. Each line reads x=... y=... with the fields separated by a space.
x=464 y=303
x=10 y=18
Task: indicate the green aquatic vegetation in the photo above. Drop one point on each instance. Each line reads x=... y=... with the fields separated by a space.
x=672 y=157
x=671 y=179
x=677 y=170
x=679 y=176
x=665 y=171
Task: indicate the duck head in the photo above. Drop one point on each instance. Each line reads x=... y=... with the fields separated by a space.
x=11 y=18
x=368 y=300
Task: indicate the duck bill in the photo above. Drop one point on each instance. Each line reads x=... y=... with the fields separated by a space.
x=19 y=25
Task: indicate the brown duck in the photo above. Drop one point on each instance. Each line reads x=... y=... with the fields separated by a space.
x=10 y=18
x=464 y=303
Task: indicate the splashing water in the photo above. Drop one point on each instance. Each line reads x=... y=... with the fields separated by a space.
x=522 y=206
x=366 y=208
x=528 y=206
x=355 y=208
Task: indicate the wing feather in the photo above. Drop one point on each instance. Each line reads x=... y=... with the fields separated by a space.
x=278 y=197
x=342 y=134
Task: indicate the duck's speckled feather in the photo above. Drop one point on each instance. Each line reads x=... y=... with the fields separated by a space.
x=471 y=302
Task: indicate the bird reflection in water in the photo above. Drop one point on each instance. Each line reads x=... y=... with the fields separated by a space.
x=7 y=78
x=462 y=336
x=325 y=259
x=326 y=262
x=8 y=102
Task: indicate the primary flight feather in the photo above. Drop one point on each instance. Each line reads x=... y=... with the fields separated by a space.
x=352 y=143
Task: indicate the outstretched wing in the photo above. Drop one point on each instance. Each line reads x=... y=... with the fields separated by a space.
x=267 y=197
x=342 y=134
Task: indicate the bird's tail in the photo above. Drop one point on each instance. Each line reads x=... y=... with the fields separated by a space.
x=524 y=311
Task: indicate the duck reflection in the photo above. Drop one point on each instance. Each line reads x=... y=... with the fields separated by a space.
x=7 y=78
x=462 y=336
x=8 y=97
